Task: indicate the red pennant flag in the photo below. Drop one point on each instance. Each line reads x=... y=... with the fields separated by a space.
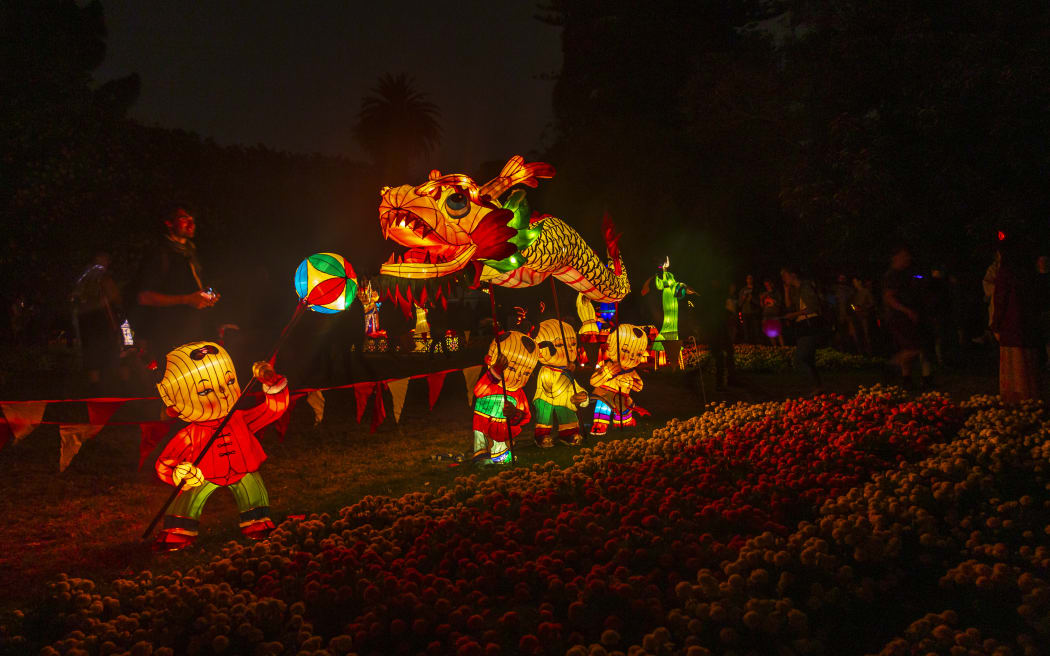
x=5 y=433
x=434 y=383
x=281 y=425
x=100 y=412
x=361 y=393
x=379 y=412
x=152 y=433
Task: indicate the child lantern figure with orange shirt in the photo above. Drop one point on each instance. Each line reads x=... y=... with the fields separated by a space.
x=200 y=387
x=617 y=377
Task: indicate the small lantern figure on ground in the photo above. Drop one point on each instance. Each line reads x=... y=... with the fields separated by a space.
x=200 y=387
x=370 y=306
x=616 y=377
x=557 y=395
x=500 y=407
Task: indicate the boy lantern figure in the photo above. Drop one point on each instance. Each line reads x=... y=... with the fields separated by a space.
x=615 y=378
x=497 y=418
x=200 y=387
x=557 y=395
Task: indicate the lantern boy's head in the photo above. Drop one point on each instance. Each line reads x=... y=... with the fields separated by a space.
x=633 y=345
x=553 y=350
x=200 y=382
x=521 y=353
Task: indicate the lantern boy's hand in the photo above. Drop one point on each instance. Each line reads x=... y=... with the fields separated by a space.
x=580 y=399
x=189 y=472
x=500 y=365
x=512 y=413
x=264 y=372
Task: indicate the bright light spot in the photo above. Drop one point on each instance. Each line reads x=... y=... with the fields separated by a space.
x=771 y=328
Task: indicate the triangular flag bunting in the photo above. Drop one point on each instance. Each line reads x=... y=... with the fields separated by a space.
x=316 y=401
x=100 y=412
x=362 y=391
x=398 y=388
x=23 y=417
x=152 y=433
x=281 y=425
x=434 y=383
x=5 y=434
x=470 y=376
x=73 y=437
x=379 y=411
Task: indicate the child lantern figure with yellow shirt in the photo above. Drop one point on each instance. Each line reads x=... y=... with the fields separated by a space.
x=200 y=387
x=500 y=407
x=557 y=394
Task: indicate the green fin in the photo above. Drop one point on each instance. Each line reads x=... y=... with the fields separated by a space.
x=527 y=234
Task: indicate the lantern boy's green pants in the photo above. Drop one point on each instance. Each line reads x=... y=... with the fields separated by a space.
x=253 y=502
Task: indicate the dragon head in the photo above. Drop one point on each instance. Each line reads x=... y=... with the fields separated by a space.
x=448 y=221
x=435 y=224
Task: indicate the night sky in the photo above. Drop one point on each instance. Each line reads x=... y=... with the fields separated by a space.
x=291 y=75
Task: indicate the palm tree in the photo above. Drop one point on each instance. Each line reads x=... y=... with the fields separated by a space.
x=397 y=125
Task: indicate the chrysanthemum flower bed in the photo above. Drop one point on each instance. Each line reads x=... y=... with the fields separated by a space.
x=601 y=556
x=756 y=358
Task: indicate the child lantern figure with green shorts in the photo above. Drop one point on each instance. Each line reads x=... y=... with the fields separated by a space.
x=557 y=394
x=200 y=387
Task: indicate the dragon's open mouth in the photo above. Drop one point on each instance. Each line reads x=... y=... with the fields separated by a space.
x=419 y=251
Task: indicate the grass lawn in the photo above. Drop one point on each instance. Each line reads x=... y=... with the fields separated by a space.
x=88 y=520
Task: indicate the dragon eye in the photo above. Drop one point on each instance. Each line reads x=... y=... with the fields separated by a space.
x=457 y=205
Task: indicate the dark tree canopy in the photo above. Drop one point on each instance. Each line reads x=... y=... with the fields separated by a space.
x=747 y=134
x=397 y=125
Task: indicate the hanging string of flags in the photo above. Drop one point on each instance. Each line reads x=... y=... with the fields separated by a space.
x=20 y=418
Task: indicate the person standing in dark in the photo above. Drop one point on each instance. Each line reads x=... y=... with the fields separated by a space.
x=862 y=303
x=172 y=292
x=901 y=299
x=772 y=308
x=806 y=323
x=1042 y=284
x=938 y=312
x=845 y=338
x=1015 y=324
x=789 y=299
x=713 y=324
x=750 y=310
x=97 y=303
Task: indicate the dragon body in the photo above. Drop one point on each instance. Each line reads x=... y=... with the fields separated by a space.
x=452 y=230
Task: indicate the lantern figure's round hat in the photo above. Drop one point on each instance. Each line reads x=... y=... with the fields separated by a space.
x=326 y=282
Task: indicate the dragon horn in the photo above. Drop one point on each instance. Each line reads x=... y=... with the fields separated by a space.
x=516 y=171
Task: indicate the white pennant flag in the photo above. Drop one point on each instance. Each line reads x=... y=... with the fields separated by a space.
x=23 y=418
x=398 y=388
x=316 y=401
x=73 y=437
x=470 y=376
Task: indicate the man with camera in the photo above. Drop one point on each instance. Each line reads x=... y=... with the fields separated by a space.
x=172 y=293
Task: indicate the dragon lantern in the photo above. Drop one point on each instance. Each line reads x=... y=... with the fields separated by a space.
x=452 y=231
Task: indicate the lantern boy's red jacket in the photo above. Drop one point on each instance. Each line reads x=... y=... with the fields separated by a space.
x=488 y=408
x=236 y=451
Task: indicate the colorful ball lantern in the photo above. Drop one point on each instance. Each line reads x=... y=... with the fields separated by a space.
x=326 y=283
